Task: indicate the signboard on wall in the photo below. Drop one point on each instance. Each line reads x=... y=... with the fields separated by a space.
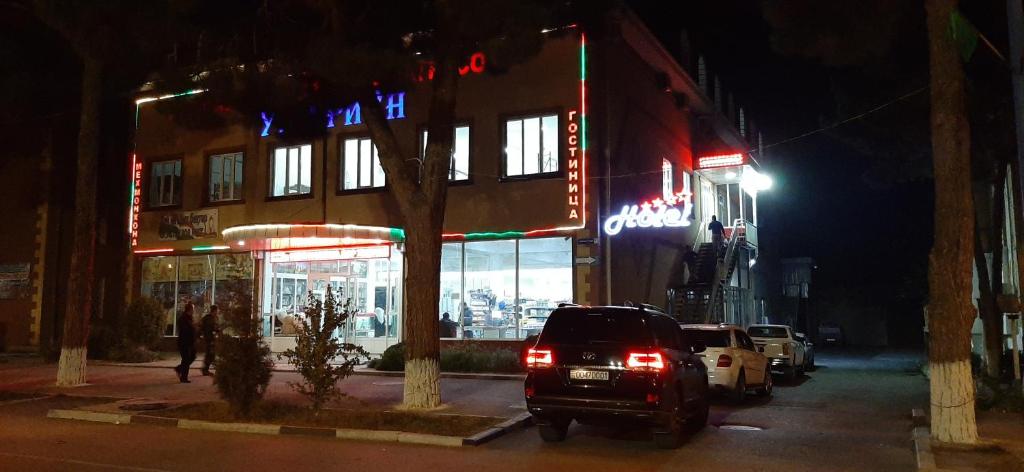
x=15 y=281
x=185 y=225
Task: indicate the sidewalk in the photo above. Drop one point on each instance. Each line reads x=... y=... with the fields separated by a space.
x=157 y=381
x=1007 y=429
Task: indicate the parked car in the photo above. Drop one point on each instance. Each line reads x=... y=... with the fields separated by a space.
x=830 y=334
x=733 y=362
x=777 y=343
x=808 y=350
x=616 y=365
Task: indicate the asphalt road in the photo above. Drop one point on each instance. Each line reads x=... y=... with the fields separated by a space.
x=851 y=414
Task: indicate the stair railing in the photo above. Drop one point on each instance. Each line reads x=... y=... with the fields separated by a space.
x=721 y=270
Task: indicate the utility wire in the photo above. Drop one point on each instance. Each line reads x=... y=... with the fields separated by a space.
x=847 y=120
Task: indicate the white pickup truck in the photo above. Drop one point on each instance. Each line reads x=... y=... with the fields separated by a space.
x=784 y=352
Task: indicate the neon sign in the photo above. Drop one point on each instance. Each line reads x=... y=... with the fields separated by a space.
x=351 y=115
x=574 y=166
x=724 y=160
x=475 y=64
x=133 y=217
x=657 y=213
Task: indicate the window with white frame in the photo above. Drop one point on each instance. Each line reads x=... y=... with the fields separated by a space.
x=531 y=145
x=225 y=177
x=687 y=184
x=459 y=168
x=292 y=169
x=360 y=165
x=667 y=189
x=165 y=183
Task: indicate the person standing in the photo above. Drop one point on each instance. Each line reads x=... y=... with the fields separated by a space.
x=209 y=330
x=448 y=327
x=717 y=234
x=467 y=321
x=186 y=342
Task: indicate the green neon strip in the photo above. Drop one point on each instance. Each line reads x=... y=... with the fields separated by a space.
x=502 y=235
x=208 y=248
x=397 y=235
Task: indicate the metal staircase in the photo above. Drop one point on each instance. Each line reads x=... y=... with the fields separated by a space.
x=700 y=300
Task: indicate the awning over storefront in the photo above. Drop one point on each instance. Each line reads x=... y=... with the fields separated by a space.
x=302 y=236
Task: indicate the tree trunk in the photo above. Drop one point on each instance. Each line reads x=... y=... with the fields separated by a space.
x=71 y=368
x=991 y=282
x=423 y=278
x=950 y=312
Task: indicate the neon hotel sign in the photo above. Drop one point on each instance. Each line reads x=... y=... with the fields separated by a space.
x=672 y=212
x=394 y=103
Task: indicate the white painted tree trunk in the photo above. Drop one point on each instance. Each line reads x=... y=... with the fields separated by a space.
x=952 y=402
x=71 y=368
x=422 y=390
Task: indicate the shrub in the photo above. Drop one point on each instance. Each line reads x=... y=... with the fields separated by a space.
x=244 y=362
x=142 y=323
x=475 y=360
x=393 y=359
x=317 y=346
x=243 y=371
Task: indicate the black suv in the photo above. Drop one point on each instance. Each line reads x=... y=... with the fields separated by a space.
x=623 y=364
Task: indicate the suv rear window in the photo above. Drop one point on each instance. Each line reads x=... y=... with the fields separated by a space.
x=767 y=332
x=584 y=326
x=708 y=337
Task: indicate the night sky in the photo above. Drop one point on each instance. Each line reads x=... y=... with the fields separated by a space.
x=836 y=196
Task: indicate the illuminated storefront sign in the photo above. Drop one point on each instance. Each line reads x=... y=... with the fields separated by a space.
x=724 y=160
x=133 y=217
x=350 y=115
x=657 y=213
x=574 y=166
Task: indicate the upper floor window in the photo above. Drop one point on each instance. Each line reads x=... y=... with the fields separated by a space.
x=165 y=183
x=459 y=168
x=225 y=177
x=292 y=167
x=531 y=145
x=360 y=165
x=667 y=189
x=687 y=184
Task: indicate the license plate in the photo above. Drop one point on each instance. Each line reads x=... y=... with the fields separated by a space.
x=588 y=375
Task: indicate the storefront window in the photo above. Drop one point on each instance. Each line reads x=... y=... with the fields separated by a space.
x=233 y=284
x=490 y=287
x=451 y=289
x=195 y=283
x=479 y=281
x=224 y=279
x=159 y=279
x=545 y=280
x=369 y=286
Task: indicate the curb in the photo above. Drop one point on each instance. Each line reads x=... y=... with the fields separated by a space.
x=524 y=420
x=521 y=421
x=370 y=372
x=923 y=449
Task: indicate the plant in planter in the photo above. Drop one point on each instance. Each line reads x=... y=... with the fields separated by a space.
x=319 y=356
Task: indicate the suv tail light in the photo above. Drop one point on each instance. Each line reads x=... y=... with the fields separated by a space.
x=724 y=361
x=651 y=361
x=785 y=349
x=539 y=358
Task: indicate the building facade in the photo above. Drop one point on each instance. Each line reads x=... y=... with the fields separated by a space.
x=581 y=176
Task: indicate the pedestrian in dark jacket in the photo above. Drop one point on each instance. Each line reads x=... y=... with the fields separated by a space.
x=209 y=330
x=186 y=342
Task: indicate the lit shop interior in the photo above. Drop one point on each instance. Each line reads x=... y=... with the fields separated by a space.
x=504 y=289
